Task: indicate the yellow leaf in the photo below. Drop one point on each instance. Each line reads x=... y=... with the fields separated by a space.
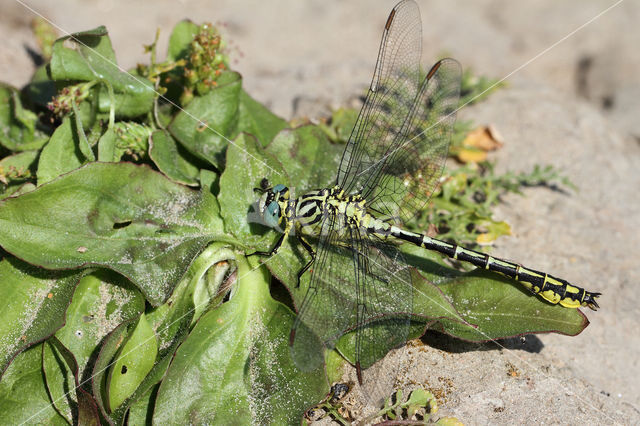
x=486 y=138
x=472 y=155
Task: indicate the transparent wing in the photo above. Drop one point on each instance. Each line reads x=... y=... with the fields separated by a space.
x=399 y=143
x=409 y=170
x=357 y=285
x=385 y=302
x=328 y=307
x=391 y=94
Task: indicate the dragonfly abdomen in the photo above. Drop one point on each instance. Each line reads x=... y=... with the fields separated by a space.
x=550 y=288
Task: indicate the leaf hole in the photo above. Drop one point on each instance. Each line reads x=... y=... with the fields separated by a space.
x=123 y=370
x=120 y=225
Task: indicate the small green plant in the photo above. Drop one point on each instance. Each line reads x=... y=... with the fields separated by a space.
x=125 y=222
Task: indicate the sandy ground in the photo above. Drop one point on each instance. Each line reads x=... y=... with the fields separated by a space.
x=572 y=101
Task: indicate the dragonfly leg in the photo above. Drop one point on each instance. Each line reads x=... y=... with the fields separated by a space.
x=273 y=250
x=311 y=252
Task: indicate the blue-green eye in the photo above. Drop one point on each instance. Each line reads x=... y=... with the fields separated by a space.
x=272 y=214
x=279 y=188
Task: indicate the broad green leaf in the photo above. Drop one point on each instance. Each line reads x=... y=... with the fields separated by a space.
x=21 y=164
x=180 y=39
x=499 y=307
x=91 y=57
x=134 y=360
x=62 y=154
x=205 y=126
x=489 y=306
x=121 y=216
x=61 y=374
x=235 y=364
x=247 y=165
x=41 y=89
x=34 y=305
x=342 y=122
x=15 y=171
x=107 y=147
x=18 y=126
x=311 y=161
x=60 y=381
x=141 y=411
x=210 y=181
x=256 y=119
x=101 y=301
x=23 y=394
x=15 y=190
x=104 y=362
x=171 y=322
x=167 y=155
x=202 y=283
x=89 y=53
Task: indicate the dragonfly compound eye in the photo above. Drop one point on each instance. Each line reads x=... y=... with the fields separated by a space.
x=272 y=214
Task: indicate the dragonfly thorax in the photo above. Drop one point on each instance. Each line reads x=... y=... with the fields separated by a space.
x=282 y=212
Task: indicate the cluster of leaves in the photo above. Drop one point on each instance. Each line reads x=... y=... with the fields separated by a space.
x=128 y=295
x=418 y=408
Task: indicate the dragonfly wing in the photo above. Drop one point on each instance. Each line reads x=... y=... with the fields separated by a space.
x=410 y=170
x=396 y=151
x=394 y=86
x=357 y=285
x=328 y=307
x=385 y=302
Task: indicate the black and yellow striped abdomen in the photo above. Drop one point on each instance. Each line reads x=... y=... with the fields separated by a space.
x=550 y=288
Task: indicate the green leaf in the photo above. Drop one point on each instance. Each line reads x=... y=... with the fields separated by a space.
x=101 y=301
x=171 y=323
x=166 y=154
x=15 y=171
x=256 y=119
x=23 y=394
x=41 y=89
x=307 y=155
x=18 y=126
x=121 y=216
x=141 y=411
x=429 y=305
x=34 y=305
x=21 y=164
x=91 y=58
x=247 y=165
x=180 y=39
x=499 y=307
x=342 y=122
x=60 y=381
x=134 y=361
x=205 y=126
x=107 y=147
x=62 y=154
x=236 y=364
x=204 y=278
x=420 y=398
x=110 y=346
x=61 y=375
x=482 y=305
x=15 y=190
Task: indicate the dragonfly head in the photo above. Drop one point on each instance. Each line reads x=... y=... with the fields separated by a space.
x=273 y=203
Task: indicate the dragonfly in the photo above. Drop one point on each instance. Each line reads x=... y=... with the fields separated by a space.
x=392 y=163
